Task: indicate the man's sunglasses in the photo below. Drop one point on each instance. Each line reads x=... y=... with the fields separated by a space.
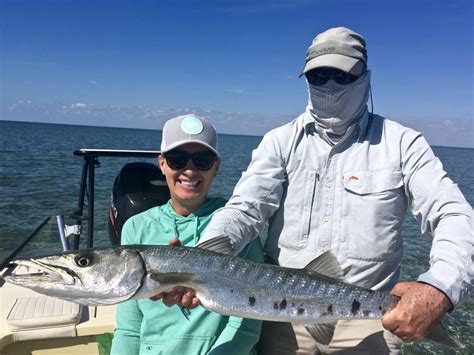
x=321 y=76
x=177 y=159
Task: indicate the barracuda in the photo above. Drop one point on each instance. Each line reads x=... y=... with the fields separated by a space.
x=224 y=284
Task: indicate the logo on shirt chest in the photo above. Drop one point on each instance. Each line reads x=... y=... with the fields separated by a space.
x=353 y=178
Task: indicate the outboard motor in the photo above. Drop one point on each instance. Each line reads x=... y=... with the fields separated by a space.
x=139 y=186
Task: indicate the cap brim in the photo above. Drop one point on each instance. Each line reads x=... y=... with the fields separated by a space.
x=178 y=144
x=337 y=61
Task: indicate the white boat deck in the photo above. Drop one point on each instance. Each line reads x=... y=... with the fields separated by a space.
x=35 y=324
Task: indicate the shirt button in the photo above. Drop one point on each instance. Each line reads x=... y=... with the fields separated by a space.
x=329 y=184
x=325 y=218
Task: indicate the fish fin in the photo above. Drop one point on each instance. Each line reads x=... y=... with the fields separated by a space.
x=221 y=244
x=185 y=311
x=440 y=335
x=173 y=278
x=322 y=332
x=326 y=264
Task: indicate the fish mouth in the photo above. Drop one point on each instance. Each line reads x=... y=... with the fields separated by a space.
x=42 y=273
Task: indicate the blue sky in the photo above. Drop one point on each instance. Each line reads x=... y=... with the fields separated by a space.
x=136 y=64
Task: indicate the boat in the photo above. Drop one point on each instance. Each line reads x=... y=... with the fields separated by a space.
x=36 y=324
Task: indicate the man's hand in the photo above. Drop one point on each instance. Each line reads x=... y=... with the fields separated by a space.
x=421 y=307
x=182 y=296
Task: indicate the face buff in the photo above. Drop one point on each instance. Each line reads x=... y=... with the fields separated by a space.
x=335 y=106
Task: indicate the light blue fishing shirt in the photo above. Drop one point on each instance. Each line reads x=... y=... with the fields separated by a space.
x=351 y=198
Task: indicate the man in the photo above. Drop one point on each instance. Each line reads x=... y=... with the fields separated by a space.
x=341 y=178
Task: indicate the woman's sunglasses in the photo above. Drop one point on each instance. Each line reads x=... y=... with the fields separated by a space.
x=321 y=76
x=177 y=159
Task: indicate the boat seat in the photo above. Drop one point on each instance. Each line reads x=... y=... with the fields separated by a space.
x=138 y=187
x=41 y=317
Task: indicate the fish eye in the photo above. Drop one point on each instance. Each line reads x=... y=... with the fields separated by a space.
x=84 y=259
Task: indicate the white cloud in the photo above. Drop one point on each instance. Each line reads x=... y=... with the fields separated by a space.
x=79 y=105
x=438 y=131
x=454 y=132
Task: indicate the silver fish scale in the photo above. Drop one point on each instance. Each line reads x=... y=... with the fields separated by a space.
x=244 y=288
x=291 y=295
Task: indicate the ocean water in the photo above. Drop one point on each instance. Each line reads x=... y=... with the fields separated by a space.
x=39 y=177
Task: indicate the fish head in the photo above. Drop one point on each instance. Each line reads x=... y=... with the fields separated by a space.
x=88 y=277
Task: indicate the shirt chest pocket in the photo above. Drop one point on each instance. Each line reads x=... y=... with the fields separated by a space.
x=367 y=182
x=294 y=218
x=373 y=209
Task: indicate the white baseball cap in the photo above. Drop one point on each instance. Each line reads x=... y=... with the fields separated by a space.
x=338 y=47
x=188 y=129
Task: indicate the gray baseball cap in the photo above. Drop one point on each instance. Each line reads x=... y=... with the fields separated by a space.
x=188 y=129
x=338 y=47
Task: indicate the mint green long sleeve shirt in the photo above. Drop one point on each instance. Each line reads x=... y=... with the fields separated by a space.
x=148 y=327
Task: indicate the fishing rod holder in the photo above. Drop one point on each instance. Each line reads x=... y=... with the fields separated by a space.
x=66 y=232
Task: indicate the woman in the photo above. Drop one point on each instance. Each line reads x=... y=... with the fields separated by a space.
x=189 y=160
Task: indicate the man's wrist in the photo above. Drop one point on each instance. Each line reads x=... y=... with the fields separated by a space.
x=444 y=300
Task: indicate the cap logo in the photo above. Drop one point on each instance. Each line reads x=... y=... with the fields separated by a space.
x=322 y=51
x=353 y=50
x=192 y=125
